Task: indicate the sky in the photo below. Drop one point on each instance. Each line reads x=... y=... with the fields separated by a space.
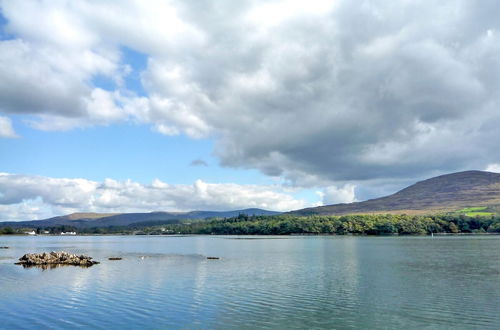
x=139 y=106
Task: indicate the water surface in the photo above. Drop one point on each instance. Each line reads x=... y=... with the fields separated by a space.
x=334 y=282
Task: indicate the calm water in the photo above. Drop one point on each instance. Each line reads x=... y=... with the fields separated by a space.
x=259 y=282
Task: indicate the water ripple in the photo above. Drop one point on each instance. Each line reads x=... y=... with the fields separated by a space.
x=313 y=283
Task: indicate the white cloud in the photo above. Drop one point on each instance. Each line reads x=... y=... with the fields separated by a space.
x=25 y=196
x=334 y=195
x=296 y=89
x=6 y=129
x=48 y=70
x=32 y=209
x=493 y=168
x=272 y=14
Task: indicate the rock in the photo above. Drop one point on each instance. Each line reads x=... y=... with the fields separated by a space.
x=213 y=258
x=55 y=258
x=115 y=258
x=4 y=247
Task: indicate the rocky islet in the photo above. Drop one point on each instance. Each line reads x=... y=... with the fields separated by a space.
x=55 y=258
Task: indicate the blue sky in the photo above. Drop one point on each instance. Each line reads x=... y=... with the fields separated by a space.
x=183 y=105
x=138 y=63
x=124 y=151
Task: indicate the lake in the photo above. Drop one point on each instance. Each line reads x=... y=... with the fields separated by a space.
x=304 y=282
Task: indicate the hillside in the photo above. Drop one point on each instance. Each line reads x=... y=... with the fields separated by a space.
x=87 y=220
x=444 y=193
x=469 y=192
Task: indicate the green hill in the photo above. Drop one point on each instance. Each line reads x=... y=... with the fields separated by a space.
x=89 y=220
x=446 y=193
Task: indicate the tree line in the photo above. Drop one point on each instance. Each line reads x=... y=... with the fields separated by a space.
x=376 y=224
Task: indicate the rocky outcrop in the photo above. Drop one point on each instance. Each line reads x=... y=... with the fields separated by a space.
x=55 y=258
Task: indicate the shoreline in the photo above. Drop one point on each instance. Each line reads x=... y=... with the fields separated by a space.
x=292 y=234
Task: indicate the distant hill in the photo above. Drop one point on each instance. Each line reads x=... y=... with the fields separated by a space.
x=88 y=220
x=472 y=192
x=443 y=193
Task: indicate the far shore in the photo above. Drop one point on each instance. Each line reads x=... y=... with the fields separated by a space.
x=292 y=234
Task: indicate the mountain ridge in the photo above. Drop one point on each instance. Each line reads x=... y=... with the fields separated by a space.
x=87 y=220
x=444 y=193
x=440 y=194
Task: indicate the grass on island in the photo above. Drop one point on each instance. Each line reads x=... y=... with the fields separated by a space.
x=481 y=211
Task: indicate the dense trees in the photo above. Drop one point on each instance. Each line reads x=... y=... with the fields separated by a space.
x=347 y=224
x=7 y=231
x=377 y=224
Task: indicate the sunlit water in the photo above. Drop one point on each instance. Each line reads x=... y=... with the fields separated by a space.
x=259 y=282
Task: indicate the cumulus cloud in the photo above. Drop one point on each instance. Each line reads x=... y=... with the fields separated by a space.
x=320 y=93
x=48 y=70
x=6 y=129
x=335 y=195
x=31 y=197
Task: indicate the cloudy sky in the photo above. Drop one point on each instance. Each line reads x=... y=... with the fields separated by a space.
x=112 y=106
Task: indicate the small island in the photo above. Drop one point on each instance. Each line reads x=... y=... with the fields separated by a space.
x=55 y=258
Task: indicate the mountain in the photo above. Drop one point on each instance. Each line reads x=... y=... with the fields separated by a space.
x=88 y=220
x=443 y=193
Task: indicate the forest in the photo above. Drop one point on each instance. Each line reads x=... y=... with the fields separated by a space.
x=385 y=224
x=376 y=224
